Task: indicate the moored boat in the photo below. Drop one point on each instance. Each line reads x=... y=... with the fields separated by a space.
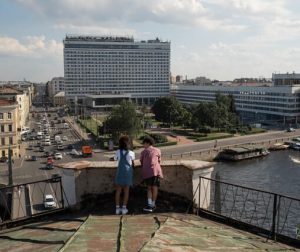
x=242 y=153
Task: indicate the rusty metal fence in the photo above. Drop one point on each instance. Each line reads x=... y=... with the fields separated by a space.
x=277 y=216
x=24 y=201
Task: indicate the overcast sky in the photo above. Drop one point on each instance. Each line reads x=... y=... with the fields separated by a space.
x=220 y=39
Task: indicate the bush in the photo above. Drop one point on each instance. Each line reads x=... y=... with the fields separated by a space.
x=205 y=129
x=213 y=138
x=165 y=144
x=158 y=138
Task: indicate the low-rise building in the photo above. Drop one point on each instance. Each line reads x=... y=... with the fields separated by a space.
x=9 y=124
x=55 y=86
x=59 y=99
x=22 y=97
x=277 y=103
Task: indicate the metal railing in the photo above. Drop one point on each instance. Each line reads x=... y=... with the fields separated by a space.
x=211 y=150
x=274 y=215
x=24 y=201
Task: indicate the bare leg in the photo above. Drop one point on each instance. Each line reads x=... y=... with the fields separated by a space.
x=126 y=195
x=117 y=195
x=149 y=192
x=154 y=193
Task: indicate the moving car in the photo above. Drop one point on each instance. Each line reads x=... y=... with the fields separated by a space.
x=41 y=149
x=49 y=160
x=49 y=201
x=47 y=143
x=87 y=151
x=71 y=147
x=60 y=147
x=65 y=138
x=58 y=156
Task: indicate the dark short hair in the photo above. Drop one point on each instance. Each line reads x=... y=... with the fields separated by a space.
x=148 y=140
x=124 y=143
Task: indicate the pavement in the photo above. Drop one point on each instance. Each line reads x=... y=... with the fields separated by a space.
x=150 y=232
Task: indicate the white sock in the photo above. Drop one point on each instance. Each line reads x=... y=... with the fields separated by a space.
x=124 y=207
x=149 y=202
x=117 y=206
x=153 y=203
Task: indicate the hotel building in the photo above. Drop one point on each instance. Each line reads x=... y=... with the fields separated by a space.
x=104 y=68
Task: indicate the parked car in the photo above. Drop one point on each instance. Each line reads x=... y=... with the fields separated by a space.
x=3 y=159
x=49 y=201
x=32 y=158
x=58 y=156
x=290 y=130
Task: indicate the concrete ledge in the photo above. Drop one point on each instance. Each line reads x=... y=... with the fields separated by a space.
x=83 y=178
x=80 y=165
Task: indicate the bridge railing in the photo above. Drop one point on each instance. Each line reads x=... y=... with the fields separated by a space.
x=24 y=201
x=274 y=215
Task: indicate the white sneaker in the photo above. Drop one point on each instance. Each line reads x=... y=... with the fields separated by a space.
x=124 y=211
x=118 y=210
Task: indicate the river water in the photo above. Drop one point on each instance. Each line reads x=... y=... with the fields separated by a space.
x=278 y=172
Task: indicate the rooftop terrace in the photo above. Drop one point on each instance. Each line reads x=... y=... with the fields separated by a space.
x=154 y=232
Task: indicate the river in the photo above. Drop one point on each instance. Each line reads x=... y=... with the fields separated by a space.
x=278 y=172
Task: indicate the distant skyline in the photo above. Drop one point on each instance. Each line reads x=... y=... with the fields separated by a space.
x=219 y=39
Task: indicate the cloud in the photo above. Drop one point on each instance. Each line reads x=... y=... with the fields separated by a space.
x=78 y=13
x=32 y=46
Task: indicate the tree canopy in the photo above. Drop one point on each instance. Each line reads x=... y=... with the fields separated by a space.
x=170 y=111
x=123 y=119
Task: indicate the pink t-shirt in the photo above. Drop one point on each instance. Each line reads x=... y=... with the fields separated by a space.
x=150 y=161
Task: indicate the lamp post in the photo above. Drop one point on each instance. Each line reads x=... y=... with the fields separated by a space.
x=10 y=176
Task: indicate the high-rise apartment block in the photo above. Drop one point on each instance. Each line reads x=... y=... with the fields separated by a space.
x=107 y=68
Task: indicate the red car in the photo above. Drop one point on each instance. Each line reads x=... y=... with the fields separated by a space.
x=49 y=160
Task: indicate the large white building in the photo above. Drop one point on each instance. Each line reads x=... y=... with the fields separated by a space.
x=280 y=102
x=100 y=66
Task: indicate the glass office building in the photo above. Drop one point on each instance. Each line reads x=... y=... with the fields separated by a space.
x=280 y=103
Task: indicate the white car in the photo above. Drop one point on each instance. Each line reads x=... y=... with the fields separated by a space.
x=58 y=156
x=49 y=201
x=65 y=138
x=47 y=143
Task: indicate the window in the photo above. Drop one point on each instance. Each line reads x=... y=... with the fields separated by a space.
x=2 y=128
x=1 y=116
x=3 y=141
x=11 y=140
x=9 y=128
x=9 y=115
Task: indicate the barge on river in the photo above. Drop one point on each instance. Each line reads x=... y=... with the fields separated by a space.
x=242 y=153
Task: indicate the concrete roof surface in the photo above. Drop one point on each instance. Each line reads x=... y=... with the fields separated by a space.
x=152 y=232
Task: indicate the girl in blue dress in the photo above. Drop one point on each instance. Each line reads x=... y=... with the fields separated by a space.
x=123 y=180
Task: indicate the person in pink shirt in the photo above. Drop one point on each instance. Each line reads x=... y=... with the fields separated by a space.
x=151 y=171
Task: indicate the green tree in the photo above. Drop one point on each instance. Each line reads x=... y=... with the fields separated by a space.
x=170 y=111
x=123 y=119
